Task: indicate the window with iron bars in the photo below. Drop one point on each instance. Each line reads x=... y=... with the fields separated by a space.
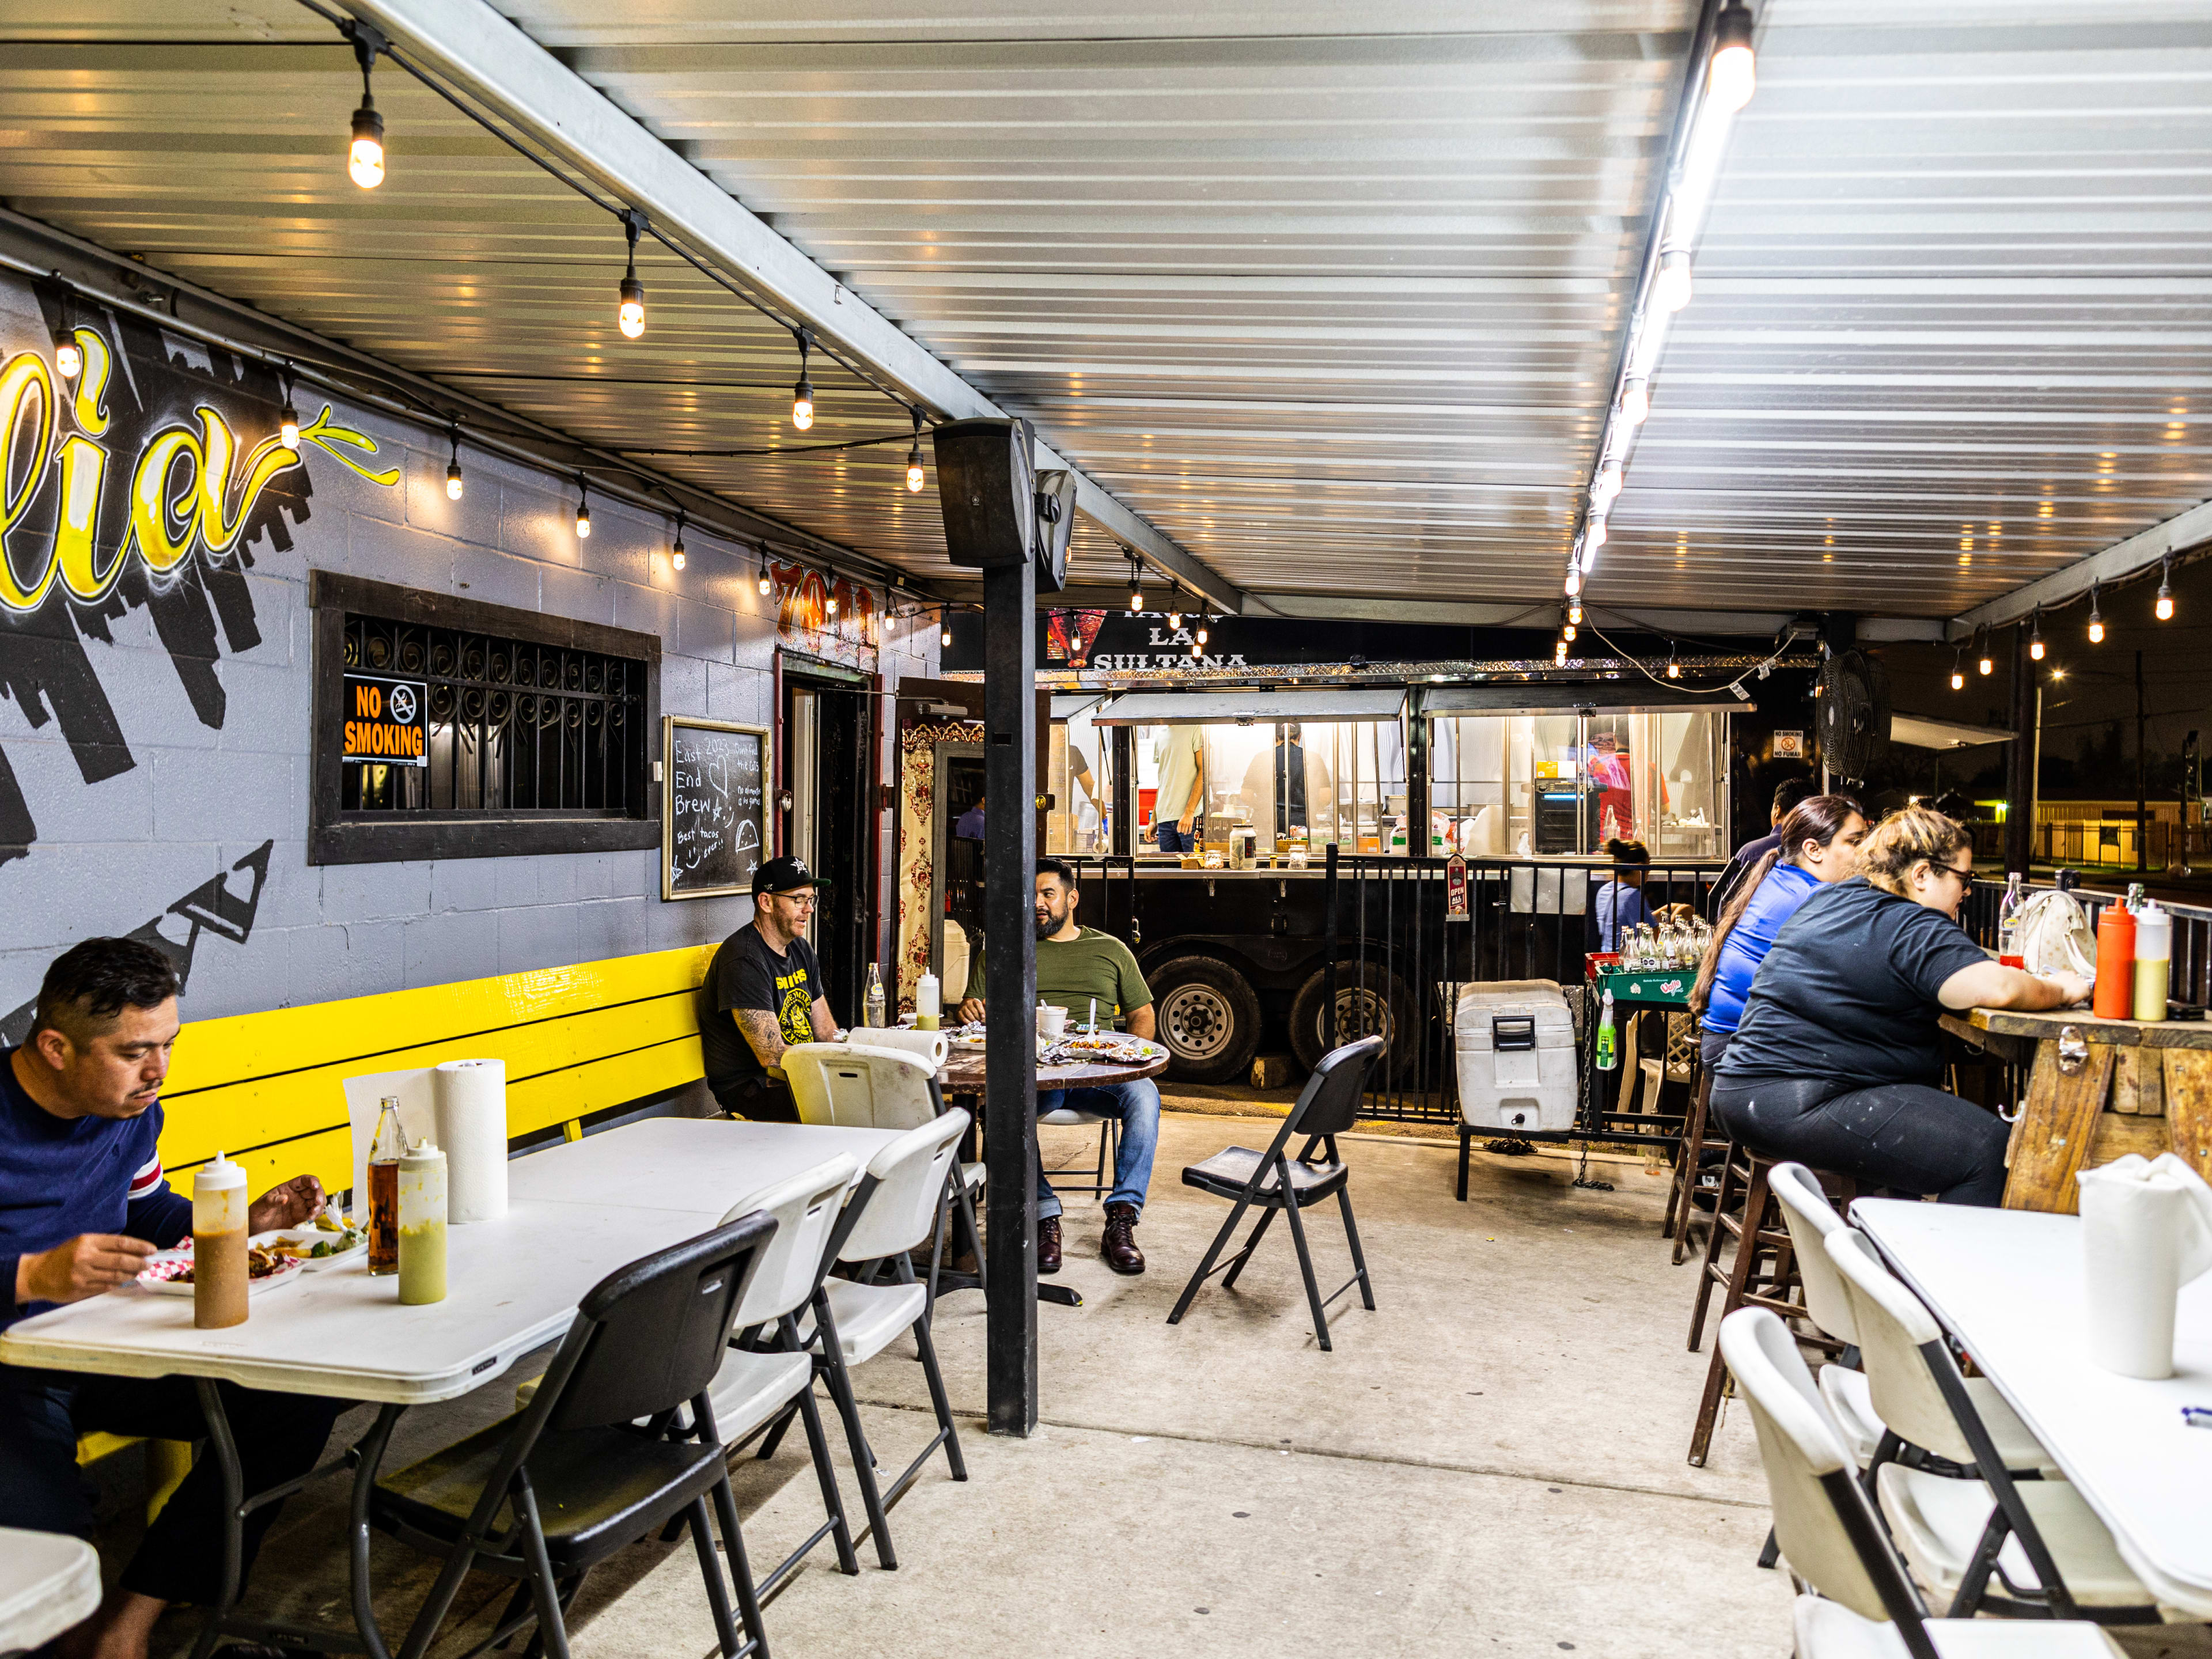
x=514 y=727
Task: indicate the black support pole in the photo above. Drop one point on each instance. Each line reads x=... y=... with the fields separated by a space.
x=2020 y=759
x=1010 y=991
x=2142 y=784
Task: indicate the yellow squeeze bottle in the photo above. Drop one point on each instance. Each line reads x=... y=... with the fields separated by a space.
x=422 y=1225
x=2153 y=960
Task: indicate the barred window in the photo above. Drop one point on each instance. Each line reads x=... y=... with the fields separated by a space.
x=514 y=726
x=446 y=727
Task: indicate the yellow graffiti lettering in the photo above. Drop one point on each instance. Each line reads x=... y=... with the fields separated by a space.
x=83 y=465
x=26 y=376
x=218 y=449
x=161 y=525
x=92 y=383
x=326 y=435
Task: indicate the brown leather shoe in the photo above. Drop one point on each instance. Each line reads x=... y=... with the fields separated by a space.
x=1049 y=1244
x=1119 y=1246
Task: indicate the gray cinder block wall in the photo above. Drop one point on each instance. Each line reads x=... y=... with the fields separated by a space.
x=154 y=747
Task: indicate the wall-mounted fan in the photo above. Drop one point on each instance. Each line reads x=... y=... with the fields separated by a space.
x=1854 y=720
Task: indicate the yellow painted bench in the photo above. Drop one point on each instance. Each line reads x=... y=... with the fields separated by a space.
x=265 y=1087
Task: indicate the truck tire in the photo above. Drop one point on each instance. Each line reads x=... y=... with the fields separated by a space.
x=1208 y=1017
x=1369 y=1000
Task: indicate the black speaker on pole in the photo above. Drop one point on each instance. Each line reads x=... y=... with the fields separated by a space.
x=987 y=489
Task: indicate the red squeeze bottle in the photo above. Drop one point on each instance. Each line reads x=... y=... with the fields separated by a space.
x=2116 y=962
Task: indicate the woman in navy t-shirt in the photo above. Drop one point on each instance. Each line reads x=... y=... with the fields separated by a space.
x=1837 y=1059
x=1818 y=843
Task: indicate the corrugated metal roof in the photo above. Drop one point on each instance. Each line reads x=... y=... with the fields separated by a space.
x=1331 y=296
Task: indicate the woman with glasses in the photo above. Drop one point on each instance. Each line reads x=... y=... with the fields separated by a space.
x=1836 y=1060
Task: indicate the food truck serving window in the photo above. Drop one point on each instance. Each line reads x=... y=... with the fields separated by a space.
x=1564 y=782
x=1080 y=778
x=1293 y=767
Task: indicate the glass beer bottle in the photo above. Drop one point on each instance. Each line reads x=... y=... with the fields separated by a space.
x=384 y=1155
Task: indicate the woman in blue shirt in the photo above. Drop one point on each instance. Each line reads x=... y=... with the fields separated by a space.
x=1818 y=843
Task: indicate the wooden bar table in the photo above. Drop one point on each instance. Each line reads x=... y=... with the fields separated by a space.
x=2098 y=1090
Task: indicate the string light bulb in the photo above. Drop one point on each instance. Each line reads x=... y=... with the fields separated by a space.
x=1175 y=617
x=2096 y=619
x=1594 y=533
x=802 y=395
x=1670 y=289
x=1987 y=665
x=1607 y=484
x=453 y=467
x=630 y=310
x=764 y=581
x=1574 y=581
x=2164 y=609
x=1136 y=587
x=1636 y=401
x=583 y=509
x=365 y=156
x=1674 y=668
x=1198 y=638
x=1568 y=632
x=1733 y=75
x=1958 y=672
x=945 y=632
x=1197 y=648
x=288 y=422
x=2035 y=635
x=829 y=595
x=1574 y=613
x=915 y=477
x=676 y=553
x=1560 y=655
x=69 y=356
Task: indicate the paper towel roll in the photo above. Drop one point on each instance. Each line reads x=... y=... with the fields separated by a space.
x=472 y=1107
x=2131 y=1226
x=930 y=1045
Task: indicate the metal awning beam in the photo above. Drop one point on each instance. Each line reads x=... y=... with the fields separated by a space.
x=469 y=43
x=2116 y=564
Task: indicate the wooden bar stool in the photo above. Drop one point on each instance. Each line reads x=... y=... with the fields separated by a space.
x=1698 y=1137
x=1762 y=1273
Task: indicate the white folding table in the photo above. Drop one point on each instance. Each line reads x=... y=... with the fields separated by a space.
x=2007 y=1284
x=576 y=1212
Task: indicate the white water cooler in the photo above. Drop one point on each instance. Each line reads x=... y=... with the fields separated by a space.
x=1513 y=1041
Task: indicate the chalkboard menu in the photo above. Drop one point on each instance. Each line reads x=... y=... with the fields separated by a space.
x=714 y=813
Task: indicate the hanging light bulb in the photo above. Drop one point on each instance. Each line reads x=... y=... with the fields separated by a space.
x=1957 y=674
x=676 y=553
x=1574 y=581
x=453 y=467
x=1987 y=664
x=1607 y=484
x=630 y=312
x=1560 y=655
x=2164 y=608
x=1574 y=613
x=802 y=395
x=915 y=477
x=944 y=633
x=1674 y=668
x=2096 y=621
x=1568 y=632
x=288 y=422
x=1197 y=649
x=2035 y=635
x=1670 y=289
x=365 y=158
x=1174 y=615
x=1636 y=401
x=1733 y=75
x=1136 y=587
x=1199 y=637
x=829 y=595
x=583 y=509
x=766 y=582
x=1594 y=533
x=69 y=356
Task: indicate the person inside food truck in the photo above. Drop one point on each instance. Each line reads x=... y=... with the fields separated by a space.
x=1092 y=975
x=1179 y=803
x=83 y=1204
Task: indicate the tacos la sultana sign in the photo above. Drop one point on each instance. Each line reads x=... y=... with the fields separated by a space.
x=188 y=485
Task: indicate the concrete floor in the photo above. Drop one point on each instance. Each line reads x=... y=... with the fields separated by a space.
x=1491 y=1462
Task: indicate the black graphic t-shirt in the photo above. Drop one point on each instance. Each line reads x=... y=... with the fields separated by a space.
x=746 y=973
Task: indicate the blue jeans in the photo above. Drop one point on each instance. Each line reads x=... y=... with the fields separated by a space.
x=1173 y=839
x=1137 y=1106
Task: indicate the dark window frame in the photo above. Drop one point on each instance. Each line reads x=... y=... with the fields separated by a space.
x=337 y=836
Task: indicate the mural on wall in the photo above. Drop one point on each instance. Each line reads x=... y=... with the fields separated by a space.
x=850 y=637
x=224 y=905
x=141 y=479
x=917 y=833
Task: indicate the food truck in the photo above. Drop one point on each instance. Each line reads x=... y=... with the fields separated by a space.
x=1401 y=759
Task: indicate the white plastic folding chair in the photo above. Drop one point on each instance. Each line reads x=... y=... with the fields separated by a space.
x=1810 y=1218
x=2052 y=1555
x=1863 y=1605
x=859 y=1086
x=891 y=1213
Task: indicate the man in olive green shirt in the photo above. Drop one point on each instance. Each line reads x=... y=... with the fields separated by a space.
x=1078 y=969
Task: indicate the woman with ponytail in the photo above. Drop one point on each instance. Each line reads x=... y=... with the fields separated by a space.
x=1817 y=842
x=1837 y=1058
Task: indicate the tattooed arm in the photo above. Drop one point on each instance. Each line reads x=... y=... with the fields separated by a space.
x=761 y=1030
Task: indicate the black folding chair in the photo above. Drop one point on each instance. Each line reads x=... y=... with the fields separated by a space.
x=1274 y=1181
x=588 y=1466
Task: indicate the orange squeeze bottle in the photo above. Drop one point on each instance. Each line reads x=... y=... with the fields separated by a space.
x=2116 y=962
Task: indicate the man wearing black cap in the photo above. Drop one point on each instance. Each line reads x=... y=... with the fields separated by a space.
x=761 y=994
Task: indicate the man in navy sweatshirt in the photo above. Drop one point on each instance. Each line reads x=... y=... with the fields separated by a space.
x=83 y=1205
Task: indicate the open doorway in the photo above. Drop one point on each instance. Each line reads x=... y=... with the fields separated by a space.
x=827 y=737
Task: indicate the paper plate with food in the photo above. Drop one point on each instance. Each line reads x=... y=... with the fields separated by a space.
x=169 y=1272
x=1105 y=1047
x=325 y=1242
